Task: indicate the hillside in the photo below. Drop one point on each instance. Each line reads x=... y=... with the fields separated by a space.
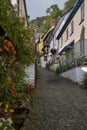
x=53 y=13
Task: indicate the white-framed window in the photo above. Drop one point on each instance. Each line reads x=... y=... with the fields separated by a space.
x=45 y=58
x=82 y=46
x=58 y=45
x=61 y=41
x=67 y=33
x=82 y=13
x=72 y=27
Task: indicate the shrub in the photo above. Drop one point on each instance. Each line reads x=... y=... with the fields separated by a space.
x=59 y=69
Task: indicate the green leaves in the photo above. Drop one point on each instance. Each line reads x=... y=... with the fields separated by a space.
x=68 y=5
x=18 y=34
x=53 y=12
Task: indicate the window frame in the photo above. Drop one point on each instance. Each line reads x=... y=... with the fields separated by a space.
x=72 y=27
x=82 y=43
x=45 y=58
x=61 y=40
x=82 y=13
x=67 y=34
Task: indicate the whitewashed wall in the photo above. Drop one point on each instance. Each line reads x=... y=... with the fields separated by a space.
x=43 y=63
x=30 y=71
x=76 y=75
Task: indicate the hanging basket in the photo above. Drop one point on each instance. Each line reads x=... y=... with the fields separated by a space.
x=53 y=51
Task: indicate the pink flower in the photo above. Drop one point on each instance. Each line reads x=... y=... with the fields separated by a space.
x=7 y=115
x=1 y=111
x=0 y=57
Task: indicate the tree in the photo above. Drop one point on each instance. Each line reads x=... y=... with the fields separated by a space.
x=54 y=7
x=39 y=21
x=48 y=11
x=54 y=13
x=68 y=5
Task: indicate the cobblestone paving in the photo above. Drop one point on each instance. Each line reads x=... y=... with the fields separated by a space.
x=59 y=105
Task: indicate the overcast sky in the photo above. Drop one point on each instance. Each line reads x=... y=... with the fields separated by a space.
x=37 y=8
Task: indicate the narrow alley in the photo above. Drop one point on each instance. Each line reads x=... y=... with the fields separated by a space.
x=59 y=104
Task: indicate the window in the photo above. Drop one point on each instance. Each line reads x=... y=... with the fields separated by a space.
x=58 y=44
x=72 y=27
x=66 y=34
x=82 y=13
x=46 y=49
x=45 y=58
x=82 y=49
x=61 y=41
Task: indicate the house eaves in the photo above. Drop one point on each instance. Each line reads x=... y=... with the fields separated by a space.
x=61 y=18
x=66 y=48
x=73 y=12
x=48 y=32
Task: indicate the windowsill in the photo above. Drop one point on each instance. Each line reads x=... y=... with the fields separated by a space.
x=81 y=21
x=83 y=56
x=71 y=33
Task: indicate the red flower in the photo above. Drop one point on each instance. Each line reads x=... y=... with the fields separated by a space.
x=13 y=85
x=31 y=89
x=14 y=91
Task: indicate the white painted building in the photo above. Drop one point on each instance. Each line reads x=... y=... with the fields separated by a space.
x=50 y=42
x=73 y=37
x=44 y=59
x=20 y=7
x=72 y=42
x=54 y=41
x=14 y=2
x=69 y=39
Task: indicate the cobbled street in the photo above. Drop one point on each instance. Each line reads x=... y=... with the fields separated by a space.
x=59 y=104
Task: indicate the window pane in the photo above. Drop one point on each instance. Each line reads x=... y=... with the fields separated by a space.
x=82 y=12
